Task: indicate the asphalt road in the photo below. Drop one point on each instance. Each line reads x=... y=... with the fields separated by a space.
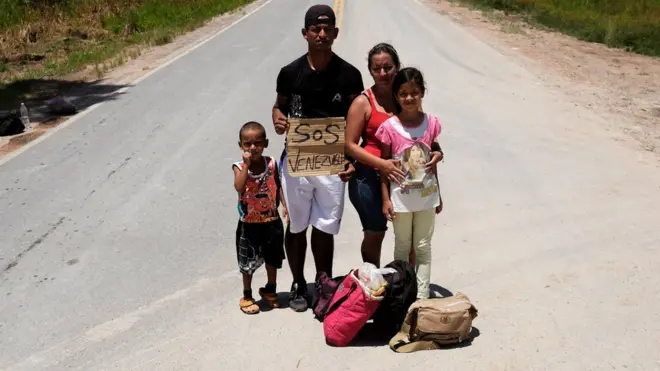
x=117 y=232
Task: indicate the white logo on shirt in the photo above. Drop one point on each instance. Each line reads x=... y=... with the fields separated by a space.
x=296 y=106
x=337 y=98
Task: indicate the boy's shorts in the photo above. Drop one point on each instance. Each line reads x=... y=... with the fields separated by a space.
x=313 y=200
x=259 y=243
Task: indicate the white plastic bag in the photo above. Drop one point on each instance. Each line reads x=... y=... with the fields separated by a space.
x=371 y=276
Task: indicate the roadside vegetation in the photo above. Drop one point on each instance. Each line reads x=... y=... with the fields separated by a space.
x=630 y=24
x=48 y=39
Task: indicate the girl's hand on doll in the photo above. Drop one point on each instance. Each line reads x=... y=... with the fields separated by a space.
x=436 y=157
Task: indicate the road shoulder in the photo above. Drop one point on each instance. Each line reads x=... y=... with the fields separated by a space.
x=615 y=84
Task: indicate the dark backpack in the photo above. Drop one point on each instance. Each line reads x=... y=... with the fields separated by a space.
x=401 y=292
x=324 y=289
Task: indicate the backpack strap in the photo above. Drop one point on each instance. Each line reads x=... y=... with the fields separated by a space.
x=324 y=310
x=407 y=346
x=406 y=341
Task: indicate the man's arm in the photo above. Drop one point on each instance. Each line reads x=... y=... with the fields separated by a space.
x=282 y=102
x=281 y=105
x=357 y=85
x=280 y=112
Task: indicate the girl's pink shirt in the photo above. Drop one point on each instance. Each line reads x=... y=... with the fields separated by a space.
x=388 y=134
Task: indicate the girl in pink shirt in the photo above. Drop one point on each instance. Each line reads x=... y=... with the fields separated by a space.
x=411 y=204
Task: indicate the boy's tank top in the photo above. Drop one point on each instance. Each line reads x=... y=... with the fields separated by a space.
x=261 y=198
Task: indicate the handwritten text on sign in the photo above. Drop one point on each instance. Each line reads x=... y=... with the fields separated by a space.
x=315 y=146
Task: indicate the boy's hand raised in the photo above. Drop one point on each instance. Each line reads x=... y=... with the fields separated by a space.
x=247 y=158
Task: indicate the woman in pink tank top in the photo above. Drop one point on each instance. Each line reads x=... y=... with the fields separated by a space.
x=367 y=112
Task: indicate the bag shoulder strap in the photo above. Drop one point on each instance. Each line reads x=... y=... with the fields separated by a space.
x=327 y=303
x=336 y=304
x=405 y=342
x=407 y=346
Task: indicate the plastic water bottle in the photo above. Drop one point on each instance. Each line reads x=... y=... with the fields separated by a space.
x=25 y=117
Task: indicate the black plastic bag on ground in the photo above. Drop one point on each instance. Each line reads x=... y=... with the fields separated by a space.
x=400 y=293
x=11 y=124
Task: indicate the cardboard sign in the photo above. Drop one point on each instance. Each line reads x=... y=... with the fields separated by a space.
x=315 y=146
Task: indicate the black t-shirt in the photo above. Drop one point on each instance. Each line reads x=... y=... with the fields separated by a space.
x=317 y=94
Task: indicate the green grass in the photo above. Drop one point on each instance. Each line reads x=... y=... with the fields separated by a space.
x=630 y=24
x=69 y=35
x=167 y=15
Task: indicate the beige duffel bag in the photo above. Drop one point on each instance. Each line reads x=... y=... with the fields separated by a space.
x=431 y=323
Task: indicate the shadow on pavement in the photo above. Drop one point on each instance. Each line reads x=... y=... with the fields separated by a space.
x=371 y=335
x=36 y=92
x=282 y=299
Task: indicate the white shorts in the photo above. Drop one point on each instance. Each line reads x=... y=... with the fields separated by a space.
x=315 y=200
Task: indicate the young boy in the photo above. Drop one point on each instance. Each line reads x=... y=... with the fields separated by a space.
x=260 y=231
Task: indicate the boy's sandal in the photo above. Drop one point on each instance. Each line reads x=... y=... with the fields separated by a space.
x=249 y=306
x=269 y=297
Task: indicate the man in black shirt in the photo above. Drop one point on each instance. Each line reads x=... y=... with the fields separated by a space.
x=318 y=84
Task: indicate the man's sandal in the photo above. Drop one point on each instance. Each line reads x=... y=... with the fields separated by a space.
x=249 y=306
x=269 y=297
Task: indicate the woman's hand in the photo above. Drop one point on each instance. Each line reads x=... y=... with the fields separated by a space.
x=391 y=169
x=388 y=210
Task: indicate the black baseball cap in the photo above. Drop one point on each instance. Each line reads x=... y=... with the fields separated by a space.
x=316 y=11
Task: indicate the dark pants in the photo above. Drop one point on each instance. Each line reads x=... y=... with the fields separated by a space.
x=366 y=196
